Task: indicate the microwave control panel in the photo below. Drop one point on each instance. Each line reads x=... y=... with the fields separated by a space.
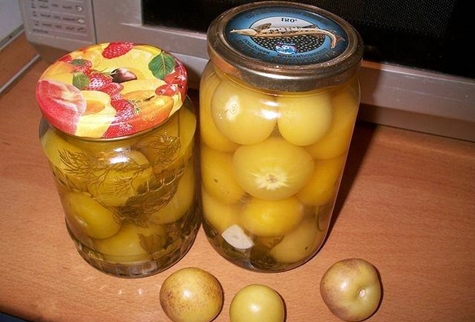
x=66 y=24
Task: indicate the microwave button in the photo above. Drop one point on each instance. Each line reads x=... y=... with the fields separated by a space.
x=40 y=31
x=69 y=19
x=46 y=25
x=74 y=31
x=72 y=8
x=45 y=15
x=67 y=7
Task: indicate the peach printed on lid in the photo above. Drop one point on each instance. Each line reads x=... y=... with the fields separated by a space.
x=111 y=90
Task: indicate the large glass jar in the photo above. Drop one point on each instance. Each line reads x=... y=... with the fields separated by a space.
x=118 y=131
x=278 y=104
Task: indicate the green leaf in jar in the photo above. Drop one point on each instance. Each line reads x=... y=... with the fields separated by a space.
x=139 y=208
x=78 y=163
x=152 y=243
x=162 y=65
x=162 y=149
x=110 y=183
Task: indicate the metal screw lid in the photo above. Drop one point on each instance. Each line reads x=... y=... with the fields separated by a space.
x=111 y=90
x=284 y=46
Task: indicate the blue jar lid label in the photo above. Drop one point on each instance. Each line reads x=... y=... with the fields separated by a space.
x=286 y=36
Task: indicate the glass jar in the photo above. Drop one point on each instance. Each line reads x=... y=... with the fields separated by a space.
x=278 y=104
x=118 y=131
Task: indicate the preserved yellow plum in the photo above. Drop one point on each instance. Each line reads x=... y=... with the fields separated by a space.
x=57 y=149
x=210 y=134
x=323 y=183
x=186 y=129
x=172 y=143
x=304 y=119
x=216 y=167
x=278 y=104
x=271 y=218
x=217 y=214
x=88 y=216
x=345 y=103
x=242 y=115
x=132 y=244
x=300 y=243
x=273 y=169
x=181 y=202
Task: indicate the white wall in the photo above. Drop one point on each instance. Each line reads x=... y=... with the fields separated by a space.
x=10 y=17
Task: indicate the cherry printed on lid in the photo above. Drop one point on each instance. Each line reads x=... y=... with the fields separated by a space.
x=111 y=90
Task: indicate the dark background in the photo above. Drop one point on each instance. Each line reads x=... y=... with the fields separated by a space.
x=434 y=35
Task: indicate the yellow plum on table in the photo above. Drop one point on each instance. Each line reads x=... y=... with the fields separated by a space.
x=351 y=289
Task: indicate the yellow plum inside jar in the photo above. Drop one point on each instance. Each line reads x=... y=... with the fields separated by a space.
x=88 y=216
x=242 y=115
x=211 y=135
x=119 y=136
x=345 y=104
x=132 y=244
x=304 y=119
x=216 y=167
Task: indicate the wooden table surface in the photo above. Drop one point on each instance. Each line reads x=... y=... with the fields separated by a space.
x=406 y=204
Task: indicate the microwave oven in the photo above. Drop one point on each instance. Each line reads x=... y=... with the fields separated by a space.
x=418 y=70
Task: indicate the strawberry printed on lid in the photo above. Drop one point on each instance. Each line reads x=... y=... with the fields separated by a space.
x=116 y=49
x=111 y=90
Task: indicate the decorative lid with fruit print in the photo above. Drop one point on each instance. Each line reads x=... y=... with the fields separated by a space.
x=284 y=46
x=111 y=90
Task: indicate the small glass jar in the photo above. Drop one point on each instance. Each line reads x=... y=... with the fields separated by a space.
x=278 y=104
x=118 y=131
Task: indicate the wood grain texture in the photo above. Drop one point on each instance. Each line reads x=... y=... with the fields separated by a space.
x=406 y=204
x=14 y=56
